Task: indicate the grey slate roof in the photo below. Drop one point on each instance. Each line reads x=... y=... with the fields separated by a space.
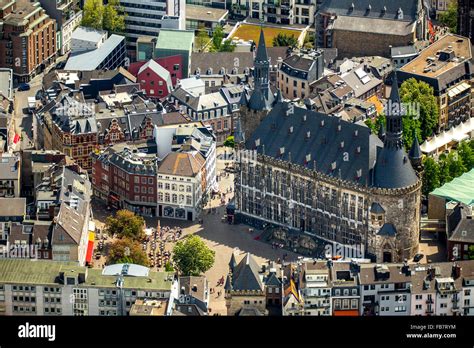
x=415 y=150
x=376 y=208
x=246 y=275
x=324 y=142
x=461 y=225
x=342 y=8
x=393 y=169
x=387 y=230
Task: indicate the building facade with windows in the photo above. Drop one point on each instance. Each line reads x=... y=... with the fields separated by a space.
x=148 y=17
x=40 y=287
x=28 y=43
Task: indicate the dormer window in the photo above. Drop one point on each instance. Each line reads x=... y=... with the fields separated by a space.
x=400 y=13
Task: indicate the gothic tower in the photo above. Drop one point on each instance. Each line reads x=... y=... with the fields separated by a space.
x=396 y=190
x=256 y=104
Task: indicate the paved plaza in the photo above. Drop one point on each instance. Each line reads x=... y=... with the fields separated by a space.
x=220 y=236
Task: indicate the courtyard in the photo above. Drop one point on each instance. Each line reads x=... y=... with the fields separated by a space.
x=248 y=32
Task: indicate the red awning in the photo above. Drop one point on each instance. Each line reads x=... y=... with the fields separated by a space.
x=90 y=249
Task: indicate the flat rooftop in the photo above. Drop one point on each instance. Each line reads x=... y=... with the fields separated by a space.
x=446 y=53
x=45 y=272
x=203 y=13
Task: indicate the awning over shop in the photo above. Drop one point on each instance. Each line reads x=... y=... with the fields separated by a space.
x=90 y=247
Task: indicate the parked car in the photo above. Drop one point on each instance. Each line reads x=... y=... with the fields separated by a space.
x=24 y=87
x=418 y=257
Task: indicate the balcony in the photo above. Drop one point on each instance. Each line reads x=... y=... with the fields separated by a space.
x=428 y=301
x=429 y=311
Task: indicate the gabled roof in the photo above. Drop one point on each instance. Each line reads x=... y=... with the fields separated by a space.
x=387 y=230
x=376 y=208
x=158 y=70
x=246 y=275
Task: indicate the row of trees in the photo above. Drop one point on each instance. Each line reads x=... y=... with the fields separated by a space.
x=110 y=17
x=448 y=167
x=191 y=255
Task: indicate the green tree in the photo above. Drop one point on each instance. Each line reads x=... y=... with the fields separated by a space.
x=93 y=14
x=217 y=37
x=227 y=46
x=192 y=256
x=229 y=142
x=466 y=152
x=126 y=250
x=455 y=164
x=444 y=174
x=283 y=39
x=471 y=252
x=201 y=39
x=126 y=225
x=431 y=175
x=450 y=17
x=169 y=267
x=309 y=40
x=113 y=17
x=419 y=95
x=410 y=124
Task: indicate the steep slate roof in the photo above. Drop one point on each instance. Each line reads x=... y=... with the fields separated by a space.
x=415 y=150
x=393 y=169
x=342 y=8
x=376 y=208
x=324 y=142
x=387 y=230
x=246 y=275
x=461 y=225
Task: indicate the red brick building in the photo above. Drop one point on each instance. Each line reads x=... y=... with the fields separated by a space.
x=125 y=178
x=28 y=43
x=70 y=127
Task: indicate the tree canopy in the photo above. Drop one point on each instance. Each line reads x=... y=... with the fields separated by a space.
x=92 y=14
x=192 y=256
x=450 y=17
x=229 y=142
x=126 y=250
x=448 y=167
x=218 y=42
x=431 y=176
x=419 y=96
x=283 y=39
x=201 y=39
x=109 y=17
x=114 y=19
x=126 y=225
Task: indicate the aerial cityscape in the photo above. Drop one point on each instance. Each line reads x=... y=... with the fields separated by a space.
x=236 y=158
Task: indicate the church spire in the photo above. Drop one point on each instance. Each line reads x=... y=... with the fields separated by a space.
x=261 y=55
x=394 y=112
x=261 y=97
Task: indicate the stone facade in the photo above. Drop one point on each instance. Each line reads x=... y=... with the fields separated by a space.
x=348 y=43
x=236 y=301
x=274 y=192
